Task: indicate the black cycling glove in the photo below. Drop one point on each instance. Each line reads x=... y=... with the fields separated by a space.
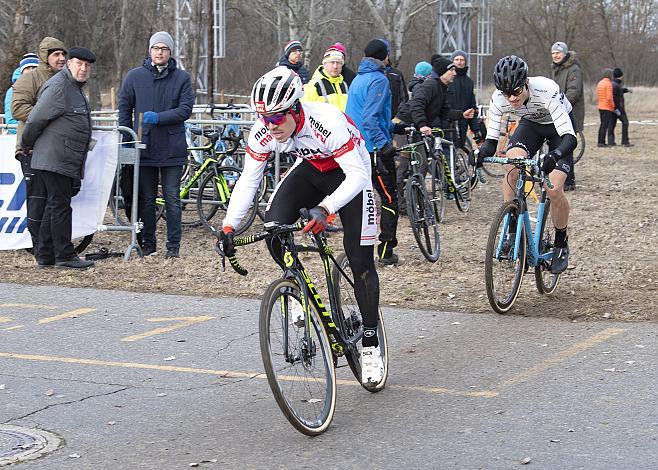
x=226 y=241
x=487 y=149
x=550 y=161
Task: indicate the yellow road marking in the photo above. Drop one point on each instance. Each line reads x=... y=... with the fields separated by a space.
x=519 y=378
x=72 y=314
x=13 y=328
x=223 y=373
x=560 y=357
x=49 y=307
x=183 y=322
x=5 y=319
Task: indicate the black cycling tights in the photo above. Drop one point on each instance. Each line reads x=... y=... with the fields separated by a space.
x=305 y=186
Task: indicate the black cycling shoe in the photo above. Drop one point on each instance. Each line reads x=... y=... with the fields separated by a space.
x=560 y=259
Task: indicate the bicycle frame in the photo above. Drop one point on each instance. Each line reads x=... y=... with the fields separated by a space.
x=533 y=237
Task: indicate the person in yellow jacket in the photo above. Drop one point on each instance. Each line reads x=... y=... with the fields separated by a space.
x=327 y=84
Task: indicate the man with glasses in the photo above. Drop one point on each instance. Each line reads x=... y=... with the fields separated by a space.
x=545 y=116
x=331 y=175
x=162 y=95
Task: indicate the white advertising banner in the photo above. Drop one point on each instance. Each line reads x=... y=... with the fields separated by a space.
x=89 y=205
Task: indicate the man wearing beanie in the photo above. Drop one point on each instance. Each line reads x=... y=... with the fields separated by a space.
x=569 y=77
x=327 y=83
x=292 y=58
x=462 y=97
x=429 y=104
x=28 y=63
x=618 y=91
x=155 y=100
x=421 y=72
x=52 y=59
x=348 y=73
x=58 y=134
x=369 y=106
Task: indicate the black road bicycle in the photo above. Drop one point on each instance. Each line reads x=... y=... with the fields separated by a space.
x=301 y=340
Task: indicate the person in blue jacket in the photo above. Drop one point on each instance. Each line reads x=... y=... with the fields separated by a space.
x=27 y=63
x=369 y=106
x=162 y=93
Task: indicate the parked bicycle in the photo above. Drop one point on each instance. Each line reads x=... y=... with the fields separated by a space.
x=300 y=340
x=513 y=246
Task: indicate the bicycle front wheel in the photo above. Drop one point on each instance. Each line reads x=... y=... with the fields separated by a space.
x=462 y=179
x=352 y=323
x=422 y=219
x=436 y=188
x=546 y=281
x=503 y=274
x=298 y=360
x=214 y=196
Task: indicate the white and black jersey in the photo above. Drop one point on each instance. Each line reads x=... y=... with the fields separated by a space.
x=546 y=105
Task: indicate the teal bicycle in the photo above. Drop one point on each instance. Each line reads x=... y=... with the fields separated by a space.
x=513 y=246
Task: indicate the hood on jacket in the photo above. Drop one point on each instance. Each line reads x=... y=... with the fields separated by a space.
x=568 y=61
x=47 y=44
x=370 y=64
x=15 y=75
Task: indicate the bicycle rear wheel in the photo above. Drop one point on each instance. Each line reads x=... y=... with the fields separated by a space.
x=503 y=274
x=352 y=324
x=422 y=219
x=214 y=196
x=580 y=150
x=462 y=179
x=546 y=281
x=299 y=367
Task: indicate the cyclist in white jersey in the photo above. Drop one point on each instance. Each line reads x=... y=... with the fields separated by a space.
x=545 y=116
x=330 y=175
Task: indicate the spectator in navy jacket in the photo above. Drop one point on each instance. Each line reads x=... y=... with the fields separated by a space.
x=162 y=93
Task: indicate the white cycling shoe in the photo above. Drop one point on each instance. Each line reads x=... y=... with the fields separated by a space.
x=372 y=365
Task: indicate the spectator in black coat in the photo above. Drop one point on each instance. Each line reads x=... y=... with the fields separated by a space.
x=462 y=97
x=292 y=58
x=618 y=91
x=58 y=133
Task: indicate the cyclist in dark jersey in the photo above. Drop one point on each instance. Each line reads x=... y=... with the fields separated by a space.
x=331 y=175
x=545 y=116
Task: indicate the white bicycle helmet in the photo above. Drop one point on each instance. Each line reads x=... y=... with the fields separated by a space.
x=278 y=90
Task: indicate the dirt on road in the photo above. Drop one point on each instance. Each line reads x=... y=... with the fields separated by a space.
x=613 y=235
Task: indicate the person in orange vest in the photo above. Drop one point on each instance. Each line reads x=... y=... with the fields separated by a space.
x=606 y=109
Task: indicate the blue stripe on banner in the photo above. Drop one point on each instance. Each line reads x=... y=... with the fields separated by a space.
x=12 y=224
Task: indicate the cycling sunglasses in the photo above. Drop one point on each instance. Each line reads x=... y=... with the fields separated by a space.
x=515 y=92
x=275 y=119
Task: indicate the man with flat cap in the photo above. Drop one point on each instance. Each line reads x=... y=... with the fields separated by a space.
x=52 y=58
x=58 y=134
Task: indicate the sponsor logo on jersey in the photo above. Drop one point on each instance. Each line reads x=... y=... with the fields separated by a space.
x=318 y=129
x=307 y=153
x=266 y=140
x=371 y=210
x=261 y=133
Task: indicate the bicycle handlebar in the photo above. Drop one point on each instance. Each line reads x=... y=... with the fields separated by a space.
x=271 y=229
x=520 y=162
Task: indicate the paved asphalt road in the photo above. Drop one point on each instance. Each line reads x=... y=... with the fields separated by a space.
x=155 y=381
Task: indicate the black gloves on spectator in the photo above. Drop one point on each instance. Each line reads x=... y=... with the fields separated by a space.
x=317 y=220
x=399 y=128
x=550 y=161
x=487 y=149
x=387 y=151
x=226 y=241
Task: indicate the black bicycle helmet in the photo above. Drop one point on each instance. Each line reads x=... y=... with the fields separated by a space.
x=510 y=73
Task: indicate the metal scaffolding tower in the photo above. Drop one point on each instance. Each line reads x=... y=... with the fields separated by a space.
x=461 y=22
x=188 y=31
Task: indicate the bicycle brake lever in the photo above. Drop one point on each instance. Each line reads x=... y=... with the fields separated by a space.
x=221 y=254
